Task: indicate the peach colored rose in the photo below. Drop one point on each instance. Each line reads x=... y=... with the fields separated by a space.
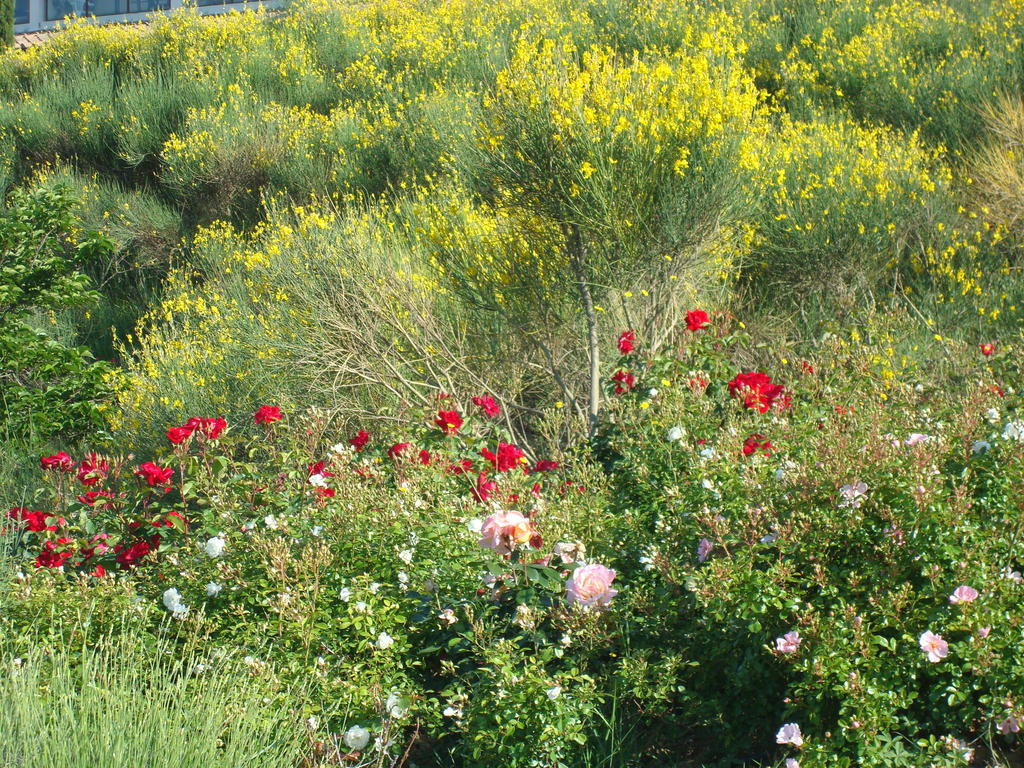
x=591 y=585
x=502 y=530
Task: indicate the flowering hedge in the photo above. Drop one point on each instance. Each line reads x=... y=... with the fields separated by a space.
x=401 y=575
x=834 y=552
x=803 y=560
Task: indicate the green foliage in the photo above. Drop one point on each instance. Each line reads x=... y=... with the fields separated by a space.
x=7 y=23
x=47 y=388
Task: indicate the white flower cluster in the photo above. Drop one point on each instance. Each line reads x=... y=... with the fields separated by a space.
x=173 y=603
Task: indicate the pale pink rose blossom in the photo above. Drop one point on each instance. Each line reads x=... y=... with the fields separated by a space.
x=916 y=438
x=983 y=632
x=503 y=530
x=1010 y=725
x=790 y=734
x=591 y=586
x=963 y=594
x=852 y=495
x=792 y=762
x=789 y=642
x=932 y=644
x=704 y=548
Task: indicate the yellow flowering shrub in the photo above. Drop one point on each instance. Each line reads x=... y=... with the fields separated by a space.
x=459 y=145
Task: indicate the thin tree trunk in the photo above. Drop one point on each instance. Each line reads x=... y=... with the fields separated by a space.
x=578 y=260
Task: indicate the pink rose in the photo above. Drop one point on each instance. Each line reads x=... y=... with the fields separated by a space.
x=591 y=585
x=933 y=645
x=788 y=643
x=503 y=530
x=790 y=734
x=704 y=548
x=1010 y=725
x=963 y=594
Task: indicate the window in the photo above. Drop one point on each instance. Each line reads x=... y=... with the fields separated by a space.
x=218 y=2
x=21 y=11
x=59 y=9
x=142 y=6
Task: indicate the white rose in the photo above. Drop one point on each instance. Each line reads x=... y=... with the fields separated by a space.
x=172 y=601
x=1014 y=431
x=214 y=547
x=357 y=737
x=397 y=705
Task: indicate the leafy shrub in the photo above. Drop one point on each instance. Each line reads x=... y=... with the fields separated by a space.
x=796 y=541
x=47 y=388
x=392 y=617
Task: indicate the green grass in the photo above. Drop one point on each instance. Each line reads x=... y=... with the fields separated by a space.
x=120 y=704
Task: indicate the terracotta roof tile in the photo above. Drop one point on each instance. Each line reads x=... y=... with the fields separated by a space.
x=28 y=39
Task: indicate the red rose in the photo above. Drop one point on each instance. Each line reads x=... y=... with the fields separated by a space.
x=987 y=349
x=166 y=522
x=60 y=461
x=34 y=520
x=212 y=427
x=153 y=474
x=178 y=435
x=464 y=465
x=91 y=497
x=318 y=468
x=757 y=391
x=487 y=404
x=98 y=547
x=626 y=342
x=397 y=449
x=624 y=381
x=267 y=414
x=98 y=572
x=484 y=488
x=448 y=421
x=360 y=440
x=546 y=465
x=508 y=457
x=696 y=319
x=93 y=469
x=54 y=553
x=425 y=457
x=130 y=557
x=806 y=367
x=756 y=443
